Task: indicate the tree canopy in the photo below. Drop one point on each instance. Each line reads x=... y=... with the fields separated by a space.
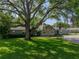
x=34 y=12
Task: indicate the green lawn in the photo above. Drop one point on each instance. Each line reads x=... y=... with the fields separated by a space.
x=38 y=48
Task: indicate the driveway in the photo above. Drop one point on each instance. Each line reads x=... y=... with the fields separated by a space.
x=73 y=38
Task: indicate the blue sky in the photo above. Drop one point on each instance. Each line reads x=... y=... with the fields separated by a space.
x=50 y=21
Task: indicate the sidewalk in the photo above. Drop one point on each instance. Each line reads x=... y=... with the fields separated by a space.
x=73 y=38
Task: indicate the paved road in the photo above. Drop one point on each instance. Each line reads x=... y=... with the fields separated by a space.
x=73 y=38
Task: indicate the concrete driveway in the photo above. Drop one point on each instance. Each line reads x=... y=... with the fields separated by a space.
x=73 y=38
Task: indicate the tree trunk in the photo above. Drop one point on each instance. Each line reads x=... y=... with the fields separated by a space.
x=27 y=32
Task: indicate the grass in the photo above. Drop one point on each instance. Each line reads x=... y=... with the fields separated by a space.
x=38 y=48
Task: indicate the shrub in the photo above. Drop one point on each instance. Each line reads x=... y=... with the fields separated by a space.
x=5 y=23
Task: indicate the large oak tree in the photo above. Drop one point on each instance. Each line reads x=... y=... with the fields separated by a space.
x=33 y=10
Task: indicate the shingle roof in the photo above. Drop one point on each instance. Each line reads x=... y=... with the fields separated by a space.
x=18 y=28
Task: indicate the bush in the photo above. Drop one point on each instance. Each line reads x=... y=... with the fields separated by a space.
x=36 y=33
x=5 y=23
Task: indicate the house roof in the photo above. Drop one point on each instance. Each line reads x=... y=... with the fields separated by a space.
x=17 y=28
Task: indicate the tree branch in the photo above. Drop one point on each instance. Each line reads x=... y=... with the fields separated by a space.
x=28 y=11
x=14 y=6
x=8 y=10
x=48 y=11
x=36 y=10
x=12 y=12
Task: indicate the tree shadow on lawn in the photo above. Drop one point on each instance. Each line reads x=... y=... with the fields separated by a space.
x=38 y=48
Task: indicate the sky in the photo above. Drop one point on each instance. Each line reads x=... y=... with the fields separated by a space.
x=50 y=21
